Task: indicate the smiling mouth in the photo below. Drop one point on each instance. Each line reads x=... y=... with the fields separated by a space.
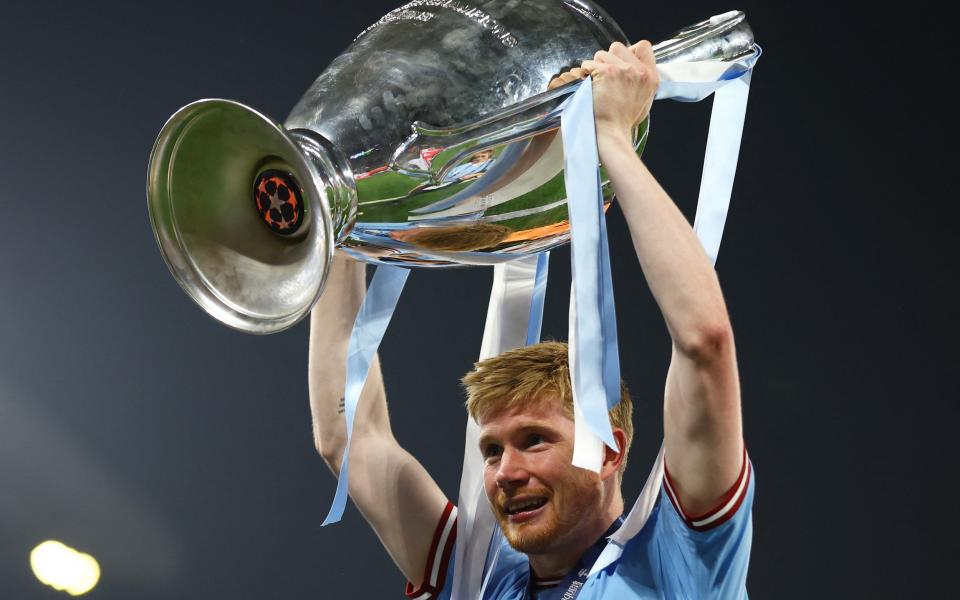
x=524 y=507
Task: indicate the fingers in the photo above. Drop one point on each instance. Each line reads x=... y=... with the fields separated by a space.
x=639 y=55
x=644 y=60
x=598 y=69
x=643 y=50
x=566 y=77
x=623 y=53
x=607 y=57
x=589 y=66
x=616 y=60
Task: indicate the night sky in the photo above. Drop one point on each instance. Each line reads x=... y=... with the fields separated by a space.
x=179 y=452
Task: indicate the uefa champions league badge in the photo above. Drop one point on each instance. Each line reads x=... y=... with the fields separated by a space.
x=278 y=201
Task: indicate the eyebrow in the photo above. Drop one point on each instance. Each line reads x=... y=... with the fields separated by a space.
x=484 y=440
x=532 y=426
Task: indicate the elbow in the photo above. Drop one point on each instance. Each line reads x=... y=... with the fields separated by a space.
x=332 y=457
x=330 y=449
x=707 y=343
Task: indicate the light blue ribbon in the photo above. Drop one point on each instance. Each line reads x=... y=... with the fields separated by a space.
x=597 y=374
x=720 y=162
x=368 y=330
x=695 y=91
x=719 y=168
x=535 y=322
x=597 y=378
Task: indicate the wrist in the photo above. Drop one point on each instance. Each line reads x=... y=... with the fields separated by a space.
x=614 y=142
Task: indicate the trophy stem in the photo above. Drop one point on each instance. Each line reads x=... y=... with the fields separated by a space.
x=336 y=183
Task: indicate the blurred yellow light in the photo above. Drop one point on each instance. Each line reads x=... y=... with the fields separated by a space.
x=63 y=568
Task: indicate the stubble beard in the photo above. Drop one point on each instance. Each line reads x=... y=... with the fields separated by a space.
x=564 y=513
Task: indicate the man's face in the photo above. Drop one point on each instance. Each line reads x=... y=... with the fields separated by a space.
x=537 y=496
x=481 y=157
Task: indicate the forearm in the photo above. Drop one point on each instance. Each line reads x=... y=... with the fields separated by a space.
x=702 y=429
x=389 y=487
x=702 y=426
x=331 y=323
x=678 y=272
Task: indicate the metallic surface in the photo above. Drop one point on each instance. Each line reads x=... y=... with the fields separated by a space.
x=722 y=37
x=199 y=185
x=431 y=141
x=452 y=142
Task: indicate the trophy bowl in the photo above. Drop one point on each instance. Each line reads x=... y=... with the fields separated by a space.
x=431 y=141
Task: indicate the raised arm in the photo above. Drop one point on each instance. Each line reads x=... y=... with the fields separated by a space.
x=702 y=426
x=391 y=489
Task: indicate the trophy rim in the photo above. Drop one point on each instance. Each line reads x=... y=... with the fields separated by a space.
x=177 y=258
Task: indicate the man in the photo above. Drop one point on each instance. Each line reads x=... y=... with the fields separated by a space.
x=554 y=516
x=472 y=169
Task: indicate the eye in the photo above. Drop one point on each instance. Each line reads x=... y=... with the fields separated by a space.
x=535 y=439
x=491 y=451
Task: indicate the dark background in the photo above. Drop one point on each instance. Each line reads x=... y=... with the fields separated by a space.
x=179 y=453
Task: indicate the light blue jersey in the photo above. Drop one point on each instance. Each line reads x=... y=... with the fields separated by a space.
x=674 y=555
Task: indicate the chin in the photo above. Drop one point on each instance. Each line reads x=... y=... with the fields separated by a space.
x=557 y=523
x=531 y=539
x=536 y=536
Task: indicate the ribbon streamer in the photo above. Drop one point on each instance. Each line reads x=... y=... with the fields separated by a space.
x=516 y=305
x=368 y=330
x=535 y=322
x=716 y=184
x=514 y=315
x=594 y=360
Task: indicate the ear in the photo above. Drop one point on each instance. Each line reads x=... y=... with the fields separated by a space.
x=613 y=459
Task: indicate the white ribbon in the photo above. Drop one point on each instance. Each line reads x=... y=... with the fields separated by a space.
x=510 y=321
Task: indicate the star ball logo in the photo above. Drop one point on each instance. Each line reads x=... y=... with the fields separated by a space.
x=278 y=201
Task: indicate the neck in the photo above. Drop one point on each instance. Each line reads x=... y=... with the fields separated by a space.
x=561 y=559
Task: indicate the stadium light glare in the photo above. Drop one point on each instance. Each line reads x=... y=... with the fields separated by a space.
x=63 y=568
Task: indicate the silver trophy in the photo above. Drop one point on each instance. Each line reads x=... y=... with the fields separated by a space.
x=431 y=141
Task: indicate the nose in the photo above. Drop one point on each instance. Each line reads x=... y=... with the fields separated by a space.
x=512 y=470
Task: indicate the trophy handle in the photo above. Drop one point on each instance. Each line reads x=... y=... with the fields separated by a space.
x=724 y=37
x=522 y=120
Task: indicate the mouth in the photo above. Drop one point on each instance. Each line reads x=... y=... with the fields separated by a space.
x=524 y=509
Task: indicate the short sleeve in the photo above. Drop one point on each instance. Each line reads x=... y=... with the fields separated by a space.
x=725 y=509
x=438 y=563
x=708 y=553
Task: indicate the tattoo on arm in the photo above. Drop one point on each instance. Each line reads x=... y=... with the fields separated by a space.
x=341 y=407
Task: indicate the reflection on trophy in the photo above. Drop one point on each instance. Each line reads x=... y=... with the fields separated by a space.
x=453 y=238
x=430 y=141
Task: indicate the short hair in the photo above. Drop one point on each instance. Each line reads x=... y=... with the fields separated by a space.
x=532 y=374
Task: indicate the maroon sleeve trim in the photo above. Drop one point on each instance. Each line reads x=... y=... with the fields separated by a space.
x=439 y=557
x=725 y=508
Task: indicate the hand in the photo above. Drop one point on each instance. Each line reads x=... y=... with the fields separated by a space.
x=625 y=81
x=566 y=77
